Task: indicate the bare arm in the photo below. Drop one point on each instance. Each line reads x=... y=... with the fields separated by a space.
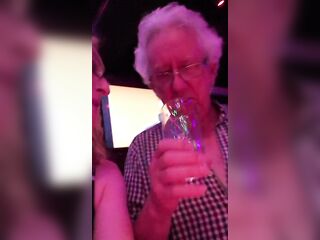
x=112 y=220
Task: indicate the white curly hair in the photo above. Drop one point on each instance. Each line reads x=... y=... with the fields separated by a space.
x=172 y=15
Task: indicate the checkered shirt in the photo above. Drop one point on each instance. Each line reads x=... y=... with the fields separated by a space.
x=200 y=218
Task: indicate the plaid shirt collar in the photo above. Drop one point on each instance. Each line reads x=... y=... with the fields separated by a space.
x=222 y=112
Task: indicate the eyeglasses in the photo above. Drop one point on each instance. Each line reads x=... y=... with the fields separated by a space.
x=187 y=73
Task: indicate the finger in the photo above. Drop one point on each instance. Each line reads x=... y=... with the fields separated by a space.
x=178 y=175
x=178 y=158
x=186 y=191
x=173 y=144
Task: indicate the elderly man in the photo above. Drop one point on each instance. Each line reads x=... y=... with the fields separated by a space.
x=178 y=56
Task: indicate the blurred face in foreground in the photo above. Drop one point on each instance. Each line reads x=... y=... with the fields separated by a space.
x=19 y=41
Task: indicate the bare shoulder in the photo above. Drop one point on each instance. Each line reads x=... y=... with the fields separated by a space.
x=108 y=173
x=108 y=183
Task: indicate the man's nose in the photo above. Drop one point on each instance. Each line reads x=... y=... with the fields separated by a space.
x=178 y=83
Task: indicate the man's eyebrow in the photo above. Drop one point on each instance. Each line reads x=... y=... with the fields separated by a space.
x=162 y=68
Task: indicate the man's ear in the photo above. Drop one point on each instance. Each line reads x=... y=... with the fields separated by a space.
x=213 y=68
x=155 y=90
x=150 y=85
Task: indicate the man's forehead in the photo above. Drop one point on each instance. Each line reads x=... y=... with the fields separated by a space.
x=173 y=36
x=175 y=47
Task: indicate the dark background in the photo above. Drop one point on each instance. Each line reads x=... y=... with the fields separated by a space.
x=118 y=30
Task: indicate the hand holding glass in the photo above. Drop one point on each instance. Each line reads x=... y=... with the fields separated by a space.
x=180 y=120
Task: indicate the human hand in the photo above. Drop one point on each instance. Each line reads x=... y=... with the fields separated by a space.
x=173 y=162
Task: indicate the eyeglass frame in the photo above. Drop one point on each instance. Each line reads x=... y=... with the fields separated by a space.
x=173 y=73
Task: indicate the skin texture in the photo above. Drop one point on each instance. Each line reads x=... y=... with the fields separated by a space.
x=111 y=215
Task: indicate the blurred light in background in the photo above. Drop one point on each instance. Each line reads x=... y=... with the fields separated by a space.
x=132 y=110
x=65 y=84
x=220 y=3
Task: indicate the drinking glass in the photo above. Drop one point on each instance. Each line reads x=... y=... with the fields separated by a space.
x=180 y=120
